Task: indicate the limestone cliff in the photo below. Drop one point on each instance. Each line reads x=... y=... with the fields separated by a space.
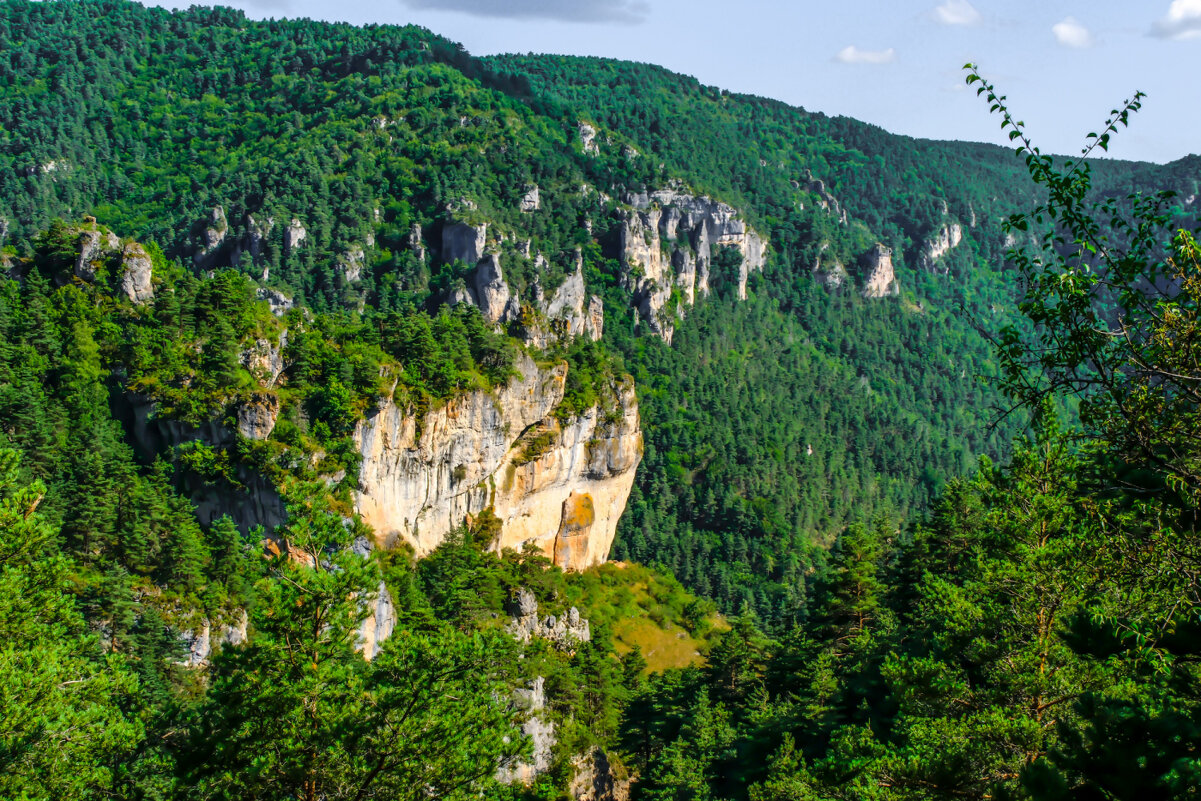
x=879 y=275
x=945 y=239
x=210 y=239
x=667 y=243
x=136 y=272
x=558 y=485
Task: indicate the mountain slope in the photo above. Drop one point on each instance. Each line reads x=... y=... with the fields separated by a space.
x=374 y=171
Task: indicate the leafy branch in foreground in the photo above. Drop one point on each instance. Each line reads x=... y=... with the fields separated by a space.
x=1112 y=291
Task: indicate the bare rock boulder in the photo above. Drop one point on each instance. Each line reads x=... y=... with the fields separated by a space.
x=879 y=276
x=136 y=274
x=257 y=415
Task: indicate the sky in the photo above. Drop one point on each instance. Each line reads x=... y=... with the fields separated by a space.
x=1063 y=64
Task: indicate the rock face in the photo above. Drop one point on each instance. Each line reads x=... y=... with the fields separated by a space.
x=136 y=269
x=379 y=623
x=254 y=501
x=94 y=246
x=211 y=238
x=596 y=317
x=198 y=644
x=668 y=241
x=945 y=240
x=257 y=415
x=588 y=138
x=541 y=732
x=257 y=232
x=531 y=200
x=596 y=780
x=350 y=264
x=879 y=277
x=416 y=243
x=253 y=242
x=824 y=199
x=505 y=451
x=265 y=359
x=462 y=242
x=567 y=312
x=829 y=271
x=487 y=289
x=278 y=301
x=294 y=234
x=490 y=292
x=565 y=632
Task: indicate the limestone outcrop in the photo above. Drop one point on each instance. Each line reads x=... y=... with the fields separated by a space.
x=294 y=234
x=136 y=273
x=252 y=501
x=486 y=288
x=253 y=242
x=199 y=643
x=596 y=778
x=596 y=317
x=825 y=200
x=565 y=631
x=490 y=292
x=879 y=276
x=829 y=271
x=416 y=242
x=463 y=242
x=668 y=243
x=266 y=359
x=945 y=240
x=256 y=415
x=379 y=623
x=211 y=238
x=571 y=311
x=531 y=702
x=279 y=303
x=350 y=264
x=588 y=138
x=558 y=485
x=531 y=200
x=94 y=244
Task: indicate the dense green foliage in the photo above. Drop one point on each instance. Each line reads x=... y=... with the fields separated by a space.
x=738 y=478
x=1038 y=635
x=109 y=575
x=911 y=619
x=210 y=134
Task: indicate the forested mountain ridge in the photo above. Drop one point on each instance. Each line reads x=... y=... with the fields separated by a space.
x=347 y=168
x=332 y=358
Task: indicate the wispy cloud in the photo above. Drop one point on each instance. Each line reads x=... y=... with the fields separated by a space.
x=1183 y=21
x=620 y=11
x=1070 y=33
x=854 y=55
x=957 y=12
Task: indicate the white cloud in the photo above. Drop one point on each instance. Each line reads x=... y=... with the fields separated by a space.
x=957 y=12
x=1070 y=33
x=1182 y=22
x=853 y=55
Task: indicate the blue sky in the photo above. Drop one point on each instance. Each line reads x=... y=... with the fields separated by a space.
x=1063 y=64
